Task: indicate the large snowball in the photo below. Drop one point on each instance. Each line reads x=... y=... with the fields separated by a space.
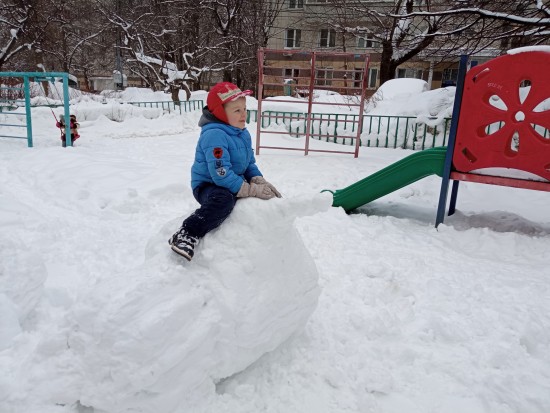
x=162 y=334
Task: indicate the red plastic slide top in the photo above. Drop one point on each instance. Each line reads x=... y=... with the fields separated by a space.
x=502 y=118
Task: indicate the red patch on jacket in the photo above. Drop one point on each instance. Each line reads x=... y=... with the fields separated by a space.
x=218 y=153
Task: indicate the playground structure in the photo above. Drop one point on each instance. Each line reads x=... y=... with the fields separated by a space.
x=311 y=73
x=15 y=90
x=510 y=92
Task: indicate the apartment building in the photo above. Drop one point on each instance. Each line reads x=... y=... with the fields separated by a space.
x=325 y=26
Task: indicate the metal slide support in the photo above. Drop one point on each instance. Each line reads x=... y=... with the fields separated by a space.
x=452 y=139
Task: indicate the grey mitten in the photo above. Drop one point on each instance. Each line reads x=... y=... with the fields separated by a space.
x=261 y=181
x=261 y=191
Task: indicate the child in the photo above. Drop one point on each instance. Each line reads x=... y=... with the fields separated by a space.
x=74 y=129
x=224 y=168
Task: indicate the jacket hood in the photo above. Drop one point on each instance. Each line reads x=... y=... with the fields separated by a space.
x=207 y=117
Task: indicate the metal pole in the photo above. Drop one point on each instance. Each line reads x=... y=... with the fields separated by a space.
x=28 y=110
x=452 y=138
x=260 y=97
x=364 y=85
x=68 y=140
x=310 y=102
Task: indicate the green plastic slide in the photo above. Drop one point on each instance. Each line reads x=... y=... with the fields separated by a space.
x=395 y=176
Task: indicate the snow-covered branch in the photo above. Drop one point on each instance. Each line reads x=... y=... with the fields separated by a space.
x=508 y=17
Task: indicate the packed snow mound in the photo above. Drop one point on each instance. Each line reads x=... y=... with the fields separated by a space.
x=164 y=333
x=338 y=103
x=429 y=106
x=134 y=94
x=398 y=87
x=138 y=94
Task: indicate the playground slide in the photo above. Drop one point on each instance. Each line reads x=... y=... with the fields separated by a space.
x=395 y=176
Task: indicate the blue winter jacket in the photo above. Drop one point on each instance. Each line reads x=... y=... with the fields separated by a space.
x=224 y=155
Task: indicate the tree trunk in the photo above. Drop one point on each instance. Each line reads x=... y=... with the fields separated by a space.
x=227 y=75
x=86 y=85
x=387 y=64
x=175 y=91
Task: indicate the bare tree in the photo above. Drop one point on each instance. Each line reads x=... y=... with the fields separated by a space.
x=243 y=27
x=522 y=22
x=23 y=28
x=77 y=39
x=163 y=43
x=225 y=17
x=255 y=29
x=441 y=28
x=178 y=44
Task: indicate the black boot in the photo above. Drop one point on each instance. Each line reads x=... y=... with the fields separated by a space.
x=183 y=244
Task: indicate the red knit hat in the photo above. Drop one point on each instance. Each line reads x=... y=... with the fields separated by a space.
x=222 y=93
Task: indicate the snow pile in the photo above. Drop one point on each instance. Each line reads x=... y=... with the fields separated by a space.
x=411 y=97
x=54 y=93
x=135 y=94
x=118 y=112
x=326 y=103
x=401 y=87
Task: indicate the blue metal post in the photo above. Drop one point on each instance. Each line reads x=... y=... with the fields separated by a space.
x=452 y=138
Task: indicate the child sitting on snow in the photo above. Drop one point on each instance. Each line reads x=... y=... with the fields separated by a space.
x=224 y=168
x=74 y=129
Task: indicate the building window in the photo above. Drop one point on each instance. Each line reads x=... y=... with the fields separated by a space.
x=367 y=41
x=450 y=74
x=327 y=38
x=292 y=38
x=358 y=78
x=409 y=73
x=316 y=1
x=449 y=78
x=296 y=4
x=291 y=73
x=373 y=76
x=323 y=77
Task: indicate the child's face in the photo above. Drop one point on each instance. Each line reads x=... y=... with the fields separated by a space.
x=236 y=112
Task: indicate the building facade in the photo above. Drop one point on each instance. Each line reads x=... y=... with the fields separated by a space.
x=325 y=25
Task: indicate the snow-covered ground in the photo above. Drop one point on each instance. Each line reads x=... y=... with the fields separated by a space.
x=291 y=306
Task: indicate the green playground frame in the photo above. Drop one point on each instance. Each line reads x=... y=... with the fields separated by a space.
x=11 y=104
